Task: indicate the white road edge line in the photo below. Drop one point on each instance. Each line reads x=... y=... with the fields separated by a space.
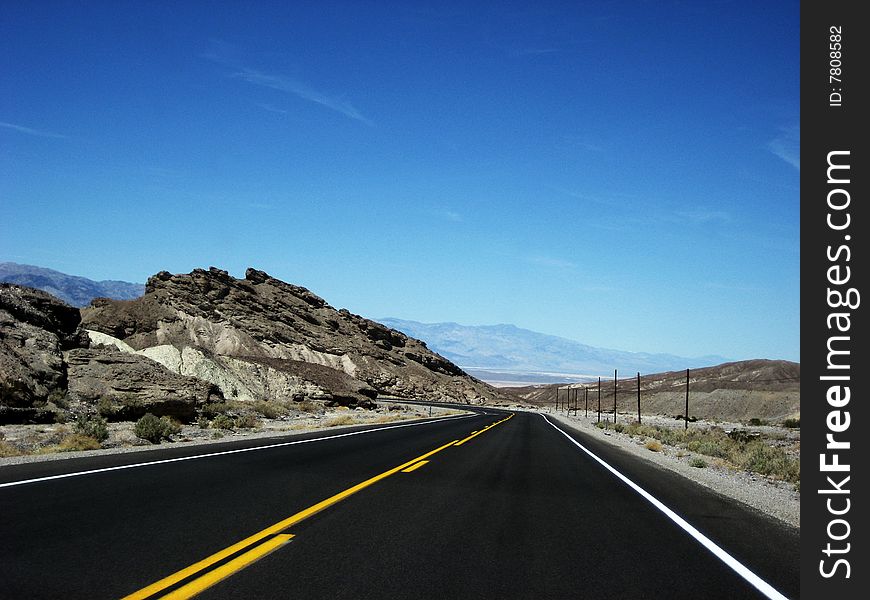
x=753 y=579
x=223 y=453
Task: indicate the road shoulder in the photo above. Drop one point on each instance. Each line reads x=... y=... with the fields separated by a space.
x=773 y=498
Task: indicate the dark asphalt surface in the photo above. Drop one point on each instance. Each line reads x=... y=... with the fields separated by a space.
x=516 y=512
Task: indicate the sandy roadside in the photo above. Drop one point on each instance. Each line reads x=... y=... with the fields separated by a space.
x=773 y=498
x=122 y=440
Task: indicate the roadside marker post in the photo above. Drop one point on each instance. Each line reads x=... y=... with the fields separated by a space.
x=638 y=397
x=599 y=399
x=687 y=399
x=614 y=396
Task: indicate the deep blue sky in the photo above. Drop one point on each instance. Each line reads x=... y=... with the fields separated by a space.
x=625 y=174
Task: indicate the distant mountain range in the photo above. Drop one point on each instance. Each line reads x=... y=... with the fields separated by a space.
x=500 y=354
x=76 y=291
x=510 y=355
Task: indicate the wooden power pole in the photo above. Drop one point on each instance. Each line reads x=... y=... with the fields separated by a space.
x=638 y=397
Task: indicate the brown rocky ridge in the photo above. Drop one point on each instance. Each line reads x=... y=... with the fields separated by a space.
x=206 y=337
x=768 y=390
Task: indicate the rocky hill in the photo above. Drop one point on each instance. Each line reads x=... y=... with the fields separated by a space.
x=736 y=391
x=74 y=290
x=207 y=337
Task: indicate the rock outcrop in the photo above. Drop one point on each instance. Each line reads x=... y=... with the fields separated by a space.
x=47 y=363
x=202 y=338
x=125 y=386
x=35 y=329
x=260 y=337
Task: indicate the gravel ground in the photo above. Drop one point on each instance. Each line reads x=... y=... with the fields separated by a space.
x=122 y=440
x=775 y=498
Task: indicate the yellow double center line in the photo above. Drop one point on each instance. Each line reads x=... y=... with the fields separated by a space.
x=487 y=428
x=273 y=532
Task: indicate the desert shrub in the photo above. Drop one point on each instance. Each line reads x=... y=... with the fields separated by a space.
x=792 y=423
x=740 y=448
x=673 y=437
x=173 y=425
x=93 y=427
x=600 y=425
x=154 y=429
x=77 y=441
x=756 y=421
x=654 y=445
x=386 y=418
x=712 y=447
x=647 y=431
x=214 y=409
x=308 y=407
x=105 y=408
x=270 y=410
x=246 y=422
x=698 y=462
x=339 y=420
x=631 y=428
x=58 y=398
x=767 y=460
x=619 y=427
x=7 y=449
x=222 y=421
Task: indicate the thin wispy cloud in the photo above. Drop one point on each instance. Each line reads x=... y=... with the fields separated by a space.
x=551 y=262
x=787 y=146
x=31 y=131
x=230 y=57
x=444 y=214
x=302 y=90
x=270 y=108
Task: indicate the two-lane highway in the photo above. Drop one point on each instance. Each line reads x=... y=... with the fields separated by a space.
x=495 y=505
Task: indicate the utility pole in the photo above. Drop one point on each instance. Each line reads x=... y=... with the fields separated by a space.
x=687 y=399
x=599 y=399
x=586 y=394
x=614 y=396
x=638 y=397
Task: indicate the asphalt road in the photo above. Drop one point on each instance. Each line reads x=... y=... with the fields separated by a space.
x=517 y=510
